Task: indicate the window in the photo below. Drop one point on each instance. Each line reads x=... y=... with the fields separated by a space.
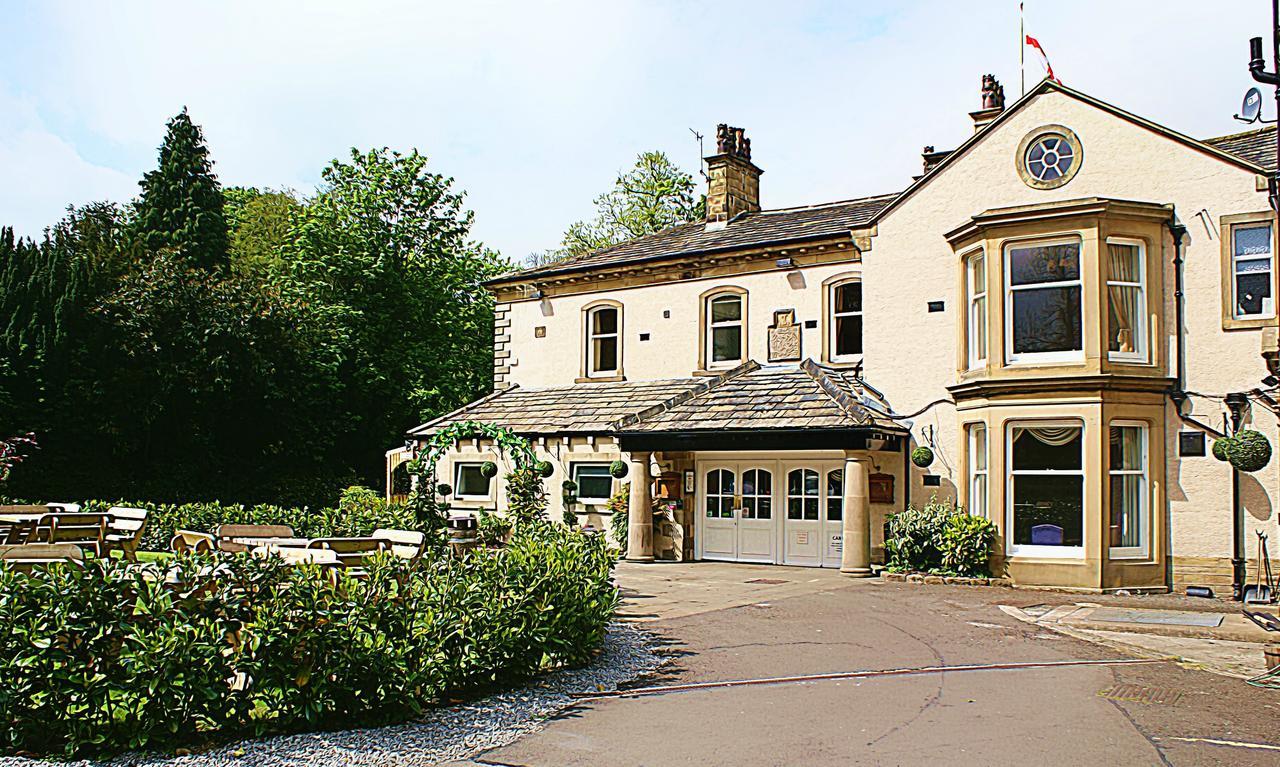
x=1251 y=272
x=724 y=330
x=757 y=494
x=595 y=483
x=1043 y=306
x=835 y=495
x=1127 y=461
x=1046 y=489
x=802 y=494
x=1050 y=157
x=978 y=470
x=469 y=483
x=603 y=341
x=846 y=320
x=720 y=491
x=1126 y=301
x=975 y=269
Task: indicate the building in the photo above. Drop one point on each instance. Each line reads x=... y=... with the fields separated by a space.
x=766 y=373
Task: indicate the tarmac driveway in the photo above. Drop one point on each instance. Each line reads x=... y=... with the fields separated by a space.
x=740 y=622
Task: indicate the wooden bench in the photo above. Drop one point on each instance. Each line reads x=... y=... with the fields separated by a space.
x=351 y=552
x=406 y=544
x=190 y=541
x=88 y=531
x=29 y=556
x=225 y=533
x=125 y=529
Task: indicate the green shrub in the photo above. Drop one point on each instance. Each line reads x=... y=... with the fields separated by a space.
x=1222 y=448
x=526 y=495
x=939 y=538
x=922 y=456
x=619 y=516
x=491 y=528
x=1249 y=451
x=107 y=657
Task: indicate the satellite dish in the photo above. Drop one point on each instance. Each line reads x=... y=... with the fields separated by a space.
x=1251 y=109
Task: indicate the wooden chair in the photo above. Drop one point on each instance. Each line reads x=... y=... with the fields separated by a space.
x=28 y=557
x=351 y=552
x=125 y=530
x=406 y=544
x=185 y=541
x=88 y=531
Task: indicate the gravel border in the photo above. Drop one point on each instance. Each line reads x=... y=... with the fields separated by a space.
x=443 y=735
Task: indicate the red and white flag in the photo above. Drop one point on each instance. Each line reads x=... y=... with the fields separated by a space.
x=1034 y=43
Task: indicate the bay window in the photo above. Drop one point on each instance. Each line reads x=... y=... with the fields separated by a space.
x=975 y=270
x=1046 y=488
x=1126 y=301
x=1127 y=476
x=1043 y=302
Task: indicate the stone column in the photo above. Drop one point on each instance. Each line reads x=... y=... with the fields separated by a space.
x=855 y=557
x=639 y=511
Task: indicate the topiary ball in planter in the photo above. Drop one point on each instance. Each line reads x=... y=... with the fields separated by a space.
x=1249 y=451
x=618 y=469
x=1222 y=448
x=569 y=486
x=544 y=469
x=922 y=456
x=488 y=469
x=444 y=490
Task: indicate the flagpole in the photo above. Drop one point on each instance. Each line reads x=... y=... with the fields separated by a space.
x=1022 y=50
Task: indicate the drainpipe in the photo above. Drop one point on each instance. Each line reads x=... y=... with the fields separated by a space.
x=1237 y=402
x=1179 y=393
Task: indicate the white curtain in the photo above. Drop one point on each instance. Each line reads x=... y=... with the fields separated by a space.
x=1123 y=299
x=1049 y=435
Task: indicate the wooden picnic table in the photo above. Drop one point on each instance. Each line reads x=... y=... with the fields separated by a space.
x=295 y=542
x=21 y=523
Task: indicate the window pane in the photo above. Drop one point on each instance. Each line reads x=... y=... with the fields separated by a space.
x=849 y=297
x=749 y=482
x=1252 y=240
x=1046 y=320
x=1044 y=263
x=977 y=275
x=1126 y=448
x=1126 y=510
x=726 y=344
x=726 y=482
x=764 y=508
x=795 y=508
x=594 y=480
x=978 y=496
x=835 y=495
x=1122 y=308
x=604 y=321
x=1253 y=291
x=726 y=309
x=810 y=508
x=1048 y=510
x=979 y=339
x=979 y=458
x=713 y=483
x=1054 y=448
x=470 y=481
x=604 y=354
x=849 y=335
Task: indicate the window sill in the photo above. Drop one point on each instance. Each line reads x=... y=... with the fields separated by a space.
x=843 y=362
x=1233 y=323
x=600 y=379
x=1053 y=554
x=715 y=371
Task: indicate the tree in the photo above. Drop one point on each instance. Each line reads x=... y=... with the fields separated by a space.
x=653 y=195
x=259 y=223
x=181 y=206
x=387 y=245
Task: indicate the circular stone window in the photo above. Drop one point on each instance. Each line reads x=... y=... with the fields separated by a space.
x=1049 y=157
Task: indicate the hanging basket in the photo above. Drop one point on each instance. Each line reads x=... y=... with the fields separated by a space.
x=544 y=469
x=618 y=469
x=488 y=469
x=922 y=456
x=1249 y=451
x=1222 y=448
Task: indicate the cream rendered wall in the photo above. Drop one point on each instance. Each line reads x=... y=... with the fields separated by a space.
x=673 y=346
x=910 y=353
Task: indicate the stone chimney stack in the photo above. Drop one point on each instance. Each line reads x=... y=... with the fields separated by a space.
x=733 y=181
x=992 y=103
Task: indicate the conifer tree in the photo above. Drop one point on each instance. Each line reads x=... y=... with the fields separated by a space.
x=182 y=204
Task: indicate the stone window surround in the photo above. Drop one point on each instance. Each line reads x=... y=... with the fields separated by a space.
x=584 y=364
x=829 y=286
x=704 y=366
x=967 y=360
x=1227 y=225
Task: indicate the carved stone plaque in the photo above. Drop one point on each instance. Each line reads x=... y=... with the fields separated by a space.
x=784 y=337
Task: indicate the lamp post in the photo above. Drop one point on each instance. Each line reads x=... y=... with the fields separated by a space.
x=1236 y=403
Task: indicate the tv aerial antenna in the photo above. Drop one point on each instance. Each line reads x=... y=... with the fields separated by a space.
x=1251 y=108
x=701 y=154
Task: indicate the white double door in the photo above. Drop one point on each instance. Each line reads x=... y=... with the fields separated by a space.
x=775 y=511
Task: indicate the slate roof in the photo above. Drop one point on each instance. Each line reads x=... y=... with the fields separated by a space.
x=766 y=227
x=749 y=397
x=1258 y=146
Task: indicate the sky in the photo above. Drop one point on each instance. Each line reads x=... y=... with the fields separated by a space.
x=534 y=107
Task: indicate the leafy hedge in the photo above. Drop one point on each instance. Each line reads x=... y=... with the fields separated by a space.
x=939 y=538
x=360 y=511
x=105 y=657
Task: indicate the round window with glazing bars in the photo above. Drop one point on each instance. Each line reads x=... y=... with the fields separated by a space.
x=1050 y=158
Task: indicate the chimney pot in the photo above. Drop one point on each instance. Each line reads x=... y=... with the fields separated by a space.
x=992 y=103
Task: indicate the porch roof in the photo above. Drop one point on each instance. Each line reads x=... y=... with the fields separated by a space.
x=751 y=397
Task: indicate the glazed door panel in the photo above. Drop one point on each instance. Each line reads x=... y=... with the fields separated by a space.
x=757 y=526
x=718 y=509
x=802 y=527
